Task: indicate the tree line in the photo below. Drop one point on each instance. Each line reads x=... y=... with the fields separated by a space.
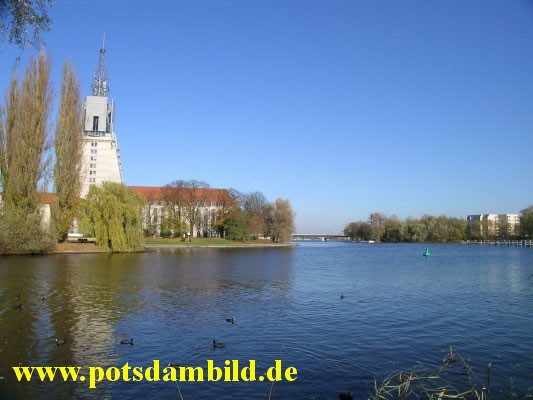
x=237 y=216
x=31 y=159
x=382 y=228
x=26 y=154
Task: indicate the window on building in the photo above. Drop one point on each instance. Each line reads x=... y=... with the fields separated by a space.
x=95 y=123
x=92 y=166
x=108 y=121
x=93 y=151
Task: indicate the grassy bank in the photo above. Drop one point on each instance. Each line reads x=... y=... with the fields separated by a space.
x=67 y=248
x=210 y=242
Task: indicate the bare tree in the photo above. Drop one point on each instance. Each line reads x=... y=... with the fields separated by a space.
x=255 y=205
x=68 y=148
x=173 y=198
x=184 y=200
x=194 y=196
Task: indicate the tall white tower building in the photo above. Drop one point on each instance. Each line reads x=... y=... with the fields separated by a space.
x=101 y=156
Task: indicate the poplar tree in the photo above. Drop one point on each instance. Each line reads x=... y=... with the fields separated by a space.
x=24 y=159
x=27 y=138
x=68 y=150
x=7 y=131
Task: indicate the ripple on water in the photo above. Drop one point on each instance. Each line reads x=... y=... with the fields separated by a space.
x=398 y=309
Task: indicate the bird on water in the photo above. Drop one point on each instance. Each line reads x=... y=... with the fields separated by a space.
x=18 y=307
x=231 y=320
x=59 y=342
x=126 y=341
x=218 y=345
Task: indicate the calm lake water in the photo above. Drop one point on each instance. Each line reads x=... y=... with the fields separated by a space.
x=399 y=309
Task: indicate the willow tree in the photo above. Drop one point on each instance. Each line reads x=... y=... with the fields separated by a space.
x=114 y=214
x=280 y=221
x=21 y=22
x=68 y=150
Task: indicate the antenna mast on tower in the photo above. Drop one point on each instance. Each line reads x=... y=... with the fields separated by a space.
x=100 y=84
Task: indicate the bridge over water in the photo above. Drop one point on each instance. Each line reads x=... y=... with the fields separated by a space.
x=319 y=236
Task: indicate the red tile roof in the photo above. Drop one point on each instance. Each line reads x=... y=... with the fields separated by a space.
x=156 y=193
x=151 y=193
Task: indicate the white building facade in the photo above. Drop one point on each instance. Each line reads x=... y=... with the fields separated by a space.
x=492 y=225
x=101 y=155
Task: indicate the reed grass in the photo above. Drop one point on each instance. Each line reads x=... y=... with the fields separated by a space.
x=455 y=379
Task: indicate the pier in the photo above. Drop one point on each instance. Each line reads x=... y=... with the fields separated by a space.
x=503 y=243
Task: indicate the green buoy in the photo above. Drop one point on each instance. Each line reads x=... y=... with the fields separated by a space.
x=427 y=253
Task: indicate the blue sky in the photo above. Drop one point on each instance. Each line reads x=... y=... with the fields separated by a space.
x=344 y=107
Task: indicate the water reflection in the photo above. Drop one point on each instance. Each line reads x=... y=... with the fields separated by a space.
x=93 y=301
x=399 y=308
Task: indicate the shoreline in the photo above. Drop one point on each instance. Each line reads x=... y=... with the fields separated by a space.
x=229 y=246
x=89 y=248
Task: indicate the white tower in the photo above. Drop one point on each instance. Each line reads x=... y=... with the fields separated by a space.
x=101 y=156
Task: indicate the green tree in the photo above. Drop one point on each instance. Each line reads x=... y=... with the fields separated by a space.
x=526 y=221
x=378 y=222
x=8 y=133
x=350 y=230
x=237 y=225
x=114 y=214
x=68 y=150
x=414 y=231
x=393 y=230
x=23 y=233
x=24 y=139
x=24 y=163
x=22 y=21
x=226 y=204
x=359 y=230
x=280 y=221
